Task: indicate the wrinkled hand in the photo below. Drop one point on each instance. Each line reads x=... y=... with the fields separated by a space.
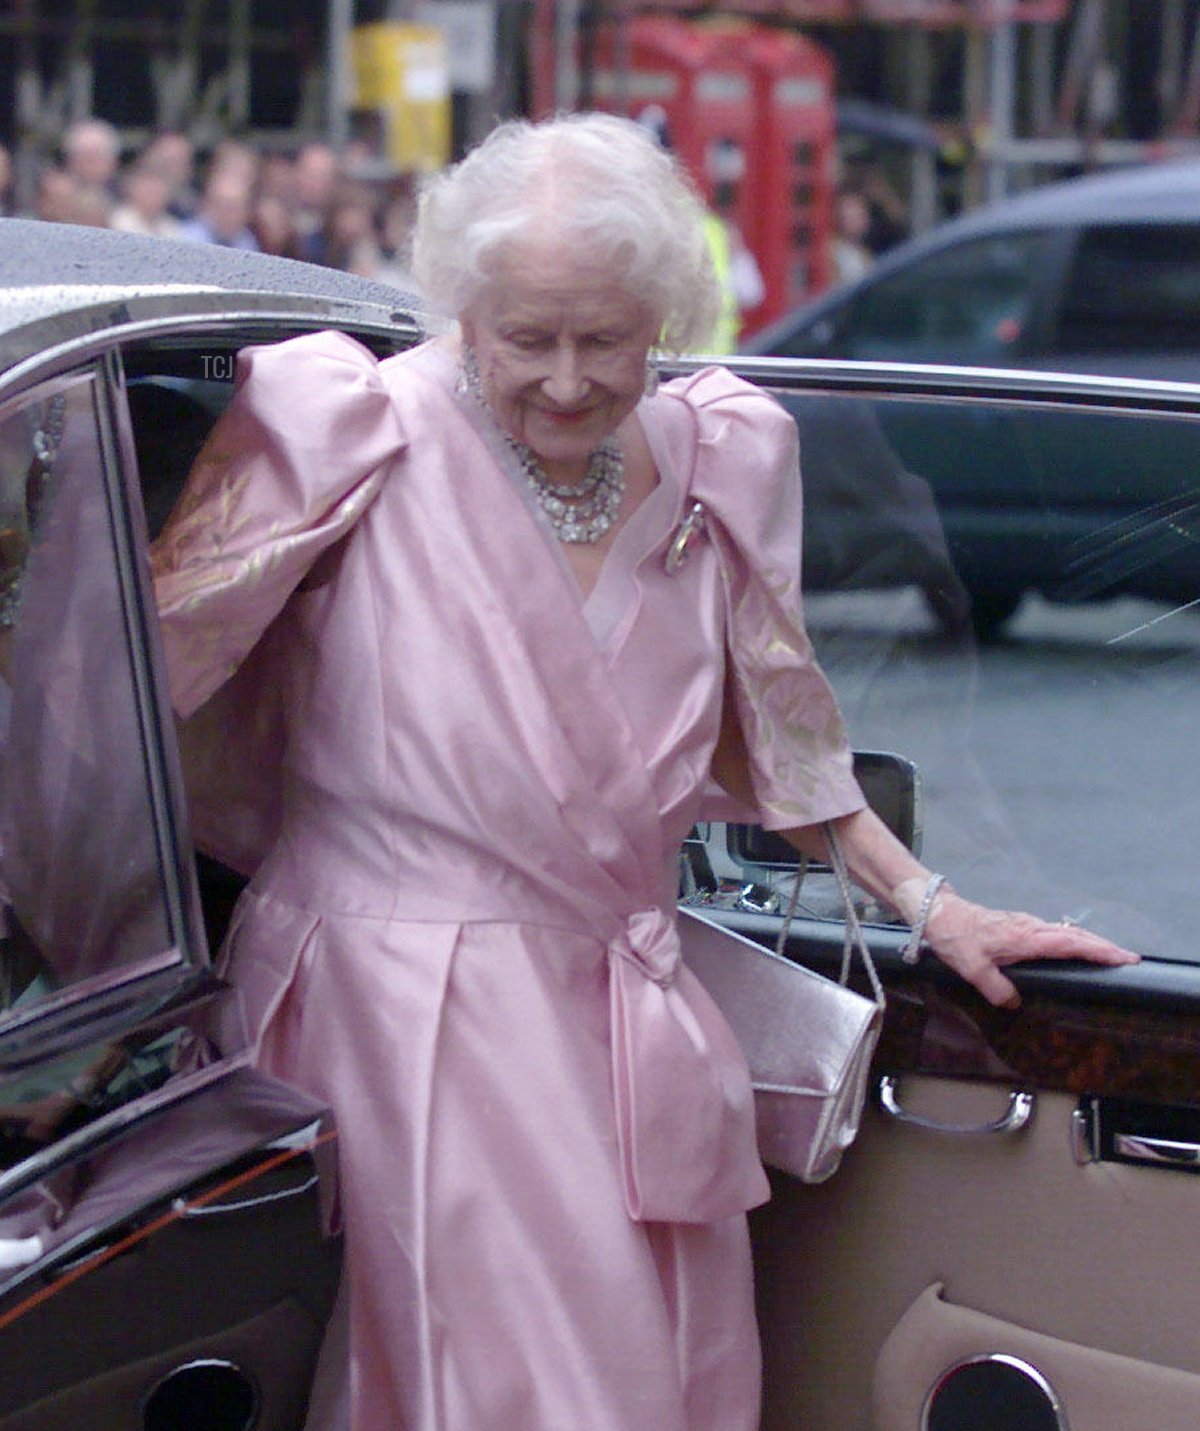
x=977 y=943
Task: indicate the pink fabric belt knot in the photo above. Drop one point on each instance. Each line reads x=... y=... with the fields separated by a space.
x=651 y=944
x=681 y=1088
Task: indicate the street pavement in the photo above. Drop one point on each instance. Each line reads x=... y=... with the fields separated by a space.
x=1059 y=763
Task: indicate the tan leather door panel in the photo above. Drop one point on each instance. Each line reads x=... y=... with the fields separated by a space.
x=1103 y=1392
x=1098 y=1257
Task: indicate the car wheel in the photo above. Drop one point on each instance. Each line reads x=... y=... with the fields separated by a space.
x=950 y=607
x=991 y=609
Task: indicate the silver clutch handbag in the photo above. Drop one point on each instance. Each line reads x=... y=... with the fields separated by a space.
x=808 y=1040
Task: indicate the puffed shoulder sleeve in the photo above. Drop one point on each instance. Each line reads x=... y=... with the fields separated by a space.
x=747 y=475
x=287 y=470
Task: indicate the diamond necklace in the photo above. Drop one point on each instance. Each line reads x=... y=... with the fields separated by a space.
x=577 y=511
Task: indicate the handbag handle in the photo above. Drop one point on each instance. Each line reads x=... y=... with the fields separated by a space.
x=853 y=938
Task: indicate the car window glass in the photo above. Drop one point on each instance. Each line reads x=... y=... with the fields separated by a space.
x=1009 y=594
x=1132 y=288
x=82 y=892
x=970 y=303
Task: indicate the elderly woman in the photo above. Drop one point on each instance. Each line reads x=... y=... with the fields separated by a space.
x=449 y=586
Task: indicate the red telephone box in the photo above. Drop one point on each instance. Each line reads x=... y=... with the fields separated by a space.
x=698 y=77
x=805 y=12
x=794 y=172
x=749 y=112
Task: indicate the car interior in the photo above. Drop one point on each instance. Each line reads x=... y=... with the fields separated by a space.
x=1005 y=1247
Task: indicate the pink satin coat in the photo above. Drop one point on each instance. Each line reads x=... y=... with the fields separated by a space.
x=461 y=791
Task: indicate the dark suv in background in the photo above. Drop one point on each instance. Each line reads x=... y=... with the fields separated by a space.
x=1094 y=275
x=1098 y=275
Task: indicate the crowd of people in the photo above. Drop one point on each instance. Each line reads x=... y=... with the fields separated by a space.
x=869 y=218
x=312 y=205
x=316 y=205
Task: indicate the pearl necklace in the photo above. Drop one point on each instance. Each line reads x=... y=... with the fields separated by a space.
x=577 y=511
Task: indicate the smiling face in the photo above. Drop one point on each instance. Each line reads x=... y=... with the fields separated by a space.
x=562 y=353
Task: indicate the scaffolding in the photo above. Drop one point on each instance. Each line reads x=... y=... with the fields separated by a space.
x=1038 y=87
x=198 y=57
x=1039 y=81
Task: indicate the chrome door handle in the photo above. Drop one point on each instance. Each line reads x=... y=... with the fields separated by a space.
x=1157 y=1150
x=1015 y=1117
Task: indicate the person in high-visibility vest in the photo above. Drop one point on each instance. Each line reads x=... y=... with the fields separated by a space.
x=725 y=334
x=734 y=265
x=738 y=274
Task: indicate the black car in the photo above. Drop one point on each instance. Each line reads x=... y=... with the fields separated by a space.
x=1098 y=275
x=1014 y=1224
x=1092 y=275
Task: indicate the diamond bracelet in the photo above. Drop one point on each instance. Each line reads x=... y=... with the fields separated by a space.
x=911 y=950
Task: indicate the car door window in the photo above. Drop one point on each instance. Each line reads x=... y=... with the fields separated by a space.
x=1022 y=621
x=970 y=303
x=1133 y=288
x=81 y=884
x=1056 y=759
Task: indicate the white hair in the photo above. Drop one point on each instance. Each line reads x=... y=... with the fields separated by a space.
x=601 y=184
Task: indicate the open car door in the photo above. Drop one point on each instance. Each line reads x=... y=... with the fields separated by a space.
x=1008 y=1244
x=167 y=1251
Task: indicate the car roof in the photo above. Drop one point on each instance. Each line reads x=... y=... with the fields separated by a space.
x=62 y=281
x=1146 y=193
x=1167 y=192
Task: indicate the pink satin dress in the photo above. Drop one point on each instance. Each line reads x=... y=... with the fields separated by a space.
x=461 y=790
